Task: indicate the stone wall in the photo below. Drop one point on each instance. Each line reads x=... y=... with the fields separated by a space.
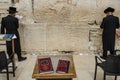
x=62 y=25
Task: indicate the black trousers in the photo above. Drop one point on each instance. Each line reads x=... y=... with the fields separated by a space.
x=17 y=48
x=112 y=52
x=108 y=45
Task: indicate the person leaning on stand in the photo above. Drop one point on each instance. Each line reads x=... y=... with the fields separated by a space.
x=109 y=25
x=10 y=25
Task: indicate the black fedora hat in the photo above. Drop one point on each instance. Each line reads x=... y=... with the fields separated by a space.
x=109 y=9
x=12 y=9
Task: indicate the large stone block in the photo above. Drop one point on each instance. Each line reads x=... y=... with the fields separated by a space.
x=4 y=4
x=35 y=37
x=67 y=37
x=47 y=37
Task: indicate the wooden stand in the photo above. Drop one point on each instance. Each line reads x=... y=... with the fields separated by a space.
x=56 y=76
x=55 y=79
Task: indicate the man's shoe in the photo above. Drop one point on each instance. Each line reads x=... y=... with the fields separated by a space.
x=103 y=57
x=22 y=59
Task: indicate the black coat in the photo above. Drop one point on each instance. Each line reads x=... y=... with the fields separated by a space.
x=109 y=25
x=10 y=25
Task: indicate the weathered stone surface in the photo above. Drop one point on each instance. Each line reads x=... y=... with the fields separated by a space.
x=61 y=24
x=52 y=37
x=35 y=37
x=67 y=37
x=5 y=4
x=95 y=39
x=4 y=1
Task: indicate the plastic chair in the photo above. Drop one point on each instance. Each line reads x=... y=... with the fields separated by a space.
x=102 y=64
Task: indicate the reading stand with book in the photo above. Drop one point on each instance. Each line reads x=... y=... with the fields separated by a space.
x=54 y=67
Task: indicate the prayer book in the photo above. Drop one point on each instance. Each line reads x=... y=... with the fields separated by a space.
x=45 y=65
x=63 y=66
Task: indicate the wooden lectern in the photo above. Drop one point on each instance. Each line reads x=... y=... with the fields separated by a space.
x=56 y=76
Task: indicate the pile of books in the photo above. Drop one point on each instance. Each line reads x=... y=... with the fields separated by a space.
x=45 y=65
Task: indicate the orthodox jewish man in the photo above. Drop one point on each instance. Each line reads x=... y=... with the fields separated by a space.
x=10 y=25
x=109 y=25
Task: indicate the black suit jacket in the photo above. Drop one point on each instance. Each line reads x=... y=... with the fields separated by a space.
x=109 y=25
x=10 y=25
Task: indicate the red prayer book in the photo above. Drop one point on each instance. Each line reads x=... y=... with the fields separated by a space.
x=45 y=65
x=63 y=66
